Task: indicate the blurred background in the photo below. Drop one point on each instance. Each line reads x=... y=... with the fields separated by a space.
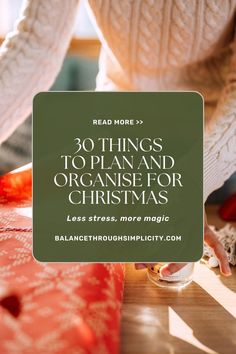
x=78 y=73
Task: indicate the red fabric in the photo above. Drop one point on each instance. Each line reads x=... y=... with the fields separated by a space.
x=228 y=209
x=52 y=308
x=16 y=187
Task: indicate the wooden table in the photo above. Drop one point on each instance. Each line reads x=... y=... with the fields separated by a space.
x=197 y=319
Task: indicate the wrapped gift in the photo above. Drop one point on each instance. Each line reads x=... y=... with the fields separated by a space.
x=51 y=307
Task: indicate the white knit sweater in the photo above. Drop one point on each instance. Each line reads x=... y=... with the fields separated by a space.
x=147 y=45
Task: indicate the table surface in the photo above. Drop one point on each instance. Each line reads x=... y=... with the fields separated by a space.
x=194 y=320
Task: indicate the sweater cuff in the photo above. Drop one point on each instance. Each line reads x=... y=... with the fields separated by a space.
x=211 y=180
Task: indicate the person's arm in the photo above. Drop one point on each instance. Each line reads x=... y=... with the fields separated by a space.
x=31 y=57
x=220 y=137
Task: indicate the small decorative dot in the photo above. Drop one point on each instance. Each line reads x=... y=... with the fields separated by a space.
x=213 y=262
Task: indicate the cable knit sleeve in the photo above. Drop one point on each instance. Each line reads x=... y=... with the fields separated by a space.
x=31 y=57
x=220 y=138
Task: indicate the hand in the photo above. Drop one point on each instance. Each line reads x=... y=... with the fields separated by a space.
x=212 y=241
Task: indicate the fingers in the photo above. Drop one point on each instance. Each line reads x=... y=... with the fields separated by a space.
x=171 y=268
x=144 y=265
x=165 y=270
x=140 y=266
x=212 y=241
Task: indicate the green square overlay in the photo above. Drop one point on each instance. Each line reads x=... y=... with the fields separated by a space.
x=85 y=143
